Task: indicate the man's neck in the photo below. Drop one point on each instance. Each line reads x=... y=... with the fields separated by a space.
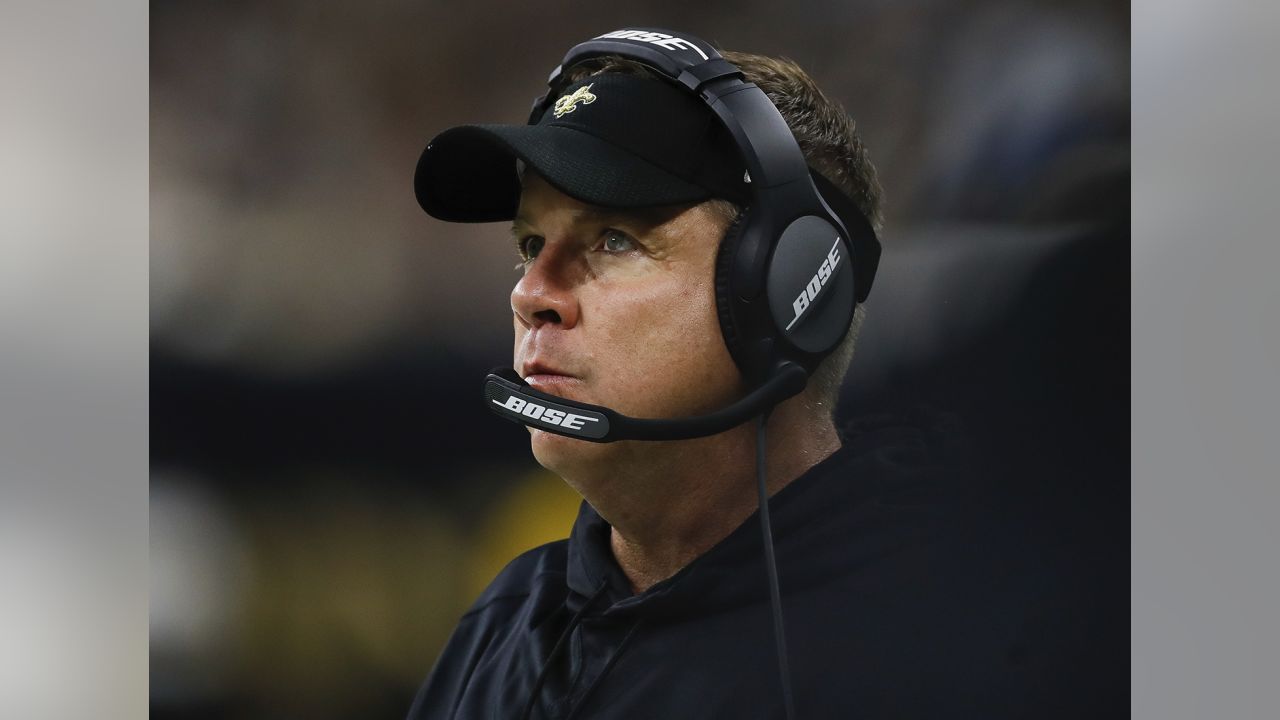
x=679 y=500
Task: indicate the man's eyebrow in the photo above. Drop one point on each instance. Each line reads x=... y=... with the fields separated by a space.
x=648 y=217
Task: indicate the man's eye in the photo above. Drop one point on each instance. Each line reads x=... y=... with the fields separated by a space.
x=531 y=246
x=616 y=241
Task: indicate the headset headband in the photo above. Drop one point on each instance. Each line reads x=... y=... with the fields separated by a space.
x=769 y=149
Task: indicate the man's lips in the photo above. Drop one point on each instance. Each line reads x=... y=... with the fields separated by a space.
x=542 y=376
x=551 y=383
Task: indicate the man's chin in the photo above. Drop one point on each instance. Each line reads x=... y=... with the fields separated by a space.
x=568 y=456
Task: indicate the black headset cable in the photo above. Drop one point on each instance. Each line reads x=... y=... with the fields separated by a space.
x=771 y=565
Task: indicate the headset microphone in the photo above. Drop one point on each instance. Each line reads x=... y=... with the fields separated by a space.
x=509 y=396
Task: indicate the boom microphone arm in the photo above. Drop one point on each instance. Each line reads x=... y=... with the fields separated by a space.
x=507 y=394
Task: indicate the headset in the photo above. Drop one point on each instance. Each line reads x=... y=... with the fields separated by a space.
x=788 y=273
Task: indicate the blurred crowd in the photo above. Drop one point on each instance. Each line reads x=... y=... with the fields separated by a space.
x=316 y=530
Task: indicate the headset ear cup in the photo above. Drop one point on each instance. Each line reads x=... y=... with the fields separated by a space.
x=724 y=286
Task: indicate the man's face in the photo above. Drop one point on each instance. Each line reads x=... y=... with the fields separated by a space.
x=617 y=308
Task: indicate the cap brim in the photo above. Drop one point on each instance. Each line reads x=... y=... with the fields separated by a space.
x=468 y=173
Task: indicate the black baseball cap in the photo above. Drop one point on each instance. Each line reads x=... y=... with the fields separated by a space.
x=613 y=140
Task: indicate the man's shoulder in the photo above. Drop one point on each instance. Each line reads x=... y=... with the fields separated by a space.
x=519 y=579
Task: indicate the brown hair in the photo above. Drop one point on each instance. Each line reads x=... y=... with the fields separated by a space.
x=829 y=139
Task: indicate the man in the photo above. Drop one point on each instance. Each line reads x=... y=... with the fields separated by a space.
x=622 y=195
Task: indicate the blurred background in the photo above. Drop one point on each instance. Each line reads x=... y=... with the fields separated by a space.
x=316 y=531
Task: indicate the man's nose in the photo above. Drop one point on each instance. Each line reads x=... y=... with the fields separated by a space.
x=545 y=295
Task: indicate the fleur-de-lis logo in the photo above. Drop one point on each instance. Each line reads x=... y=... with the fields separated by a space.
x=569 y=103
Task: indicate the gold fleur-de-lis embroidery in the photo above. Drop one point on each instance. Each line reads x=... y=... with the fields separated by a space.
x=569 y=103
